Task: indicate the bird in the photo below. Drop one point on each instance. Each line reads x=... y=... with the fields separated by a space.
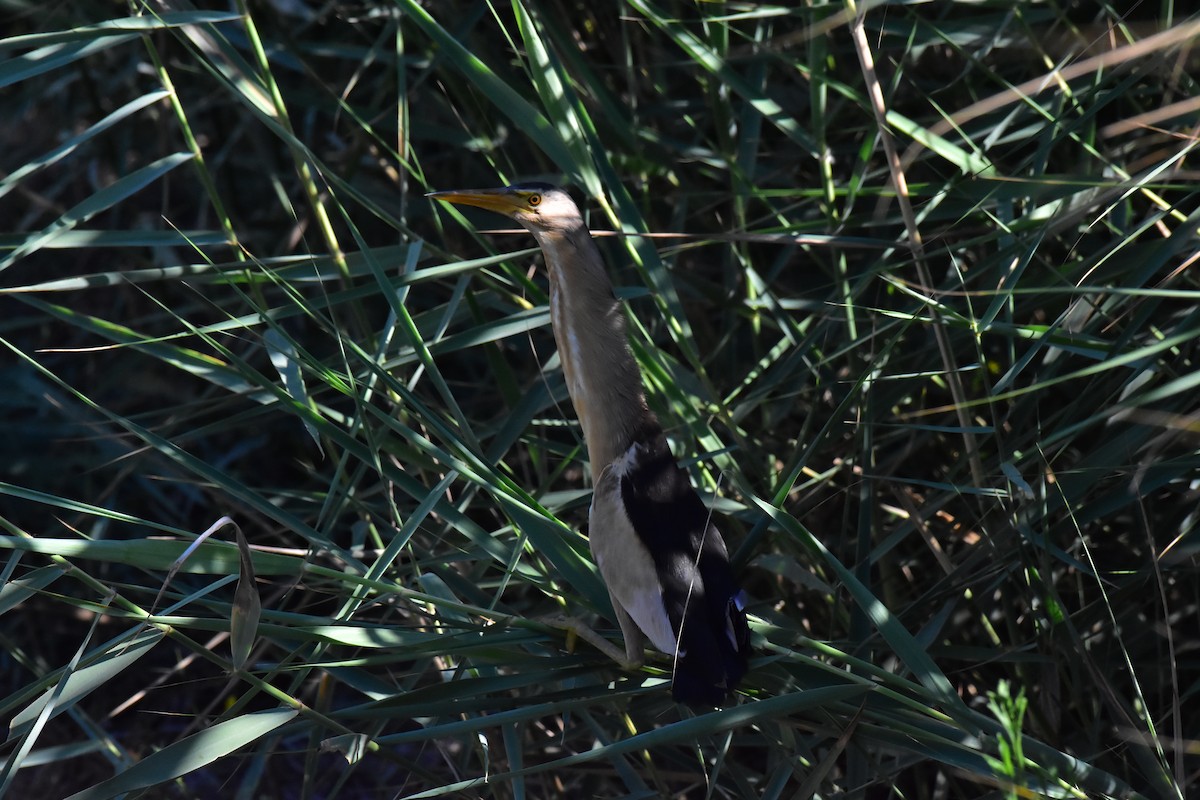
x=661 y=557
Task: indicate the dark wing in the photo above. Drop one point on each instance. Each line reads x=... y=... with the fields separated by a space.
x=700 y=594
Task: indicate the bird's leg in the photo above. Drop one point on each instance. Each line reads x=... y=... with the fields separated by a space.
x=577 y=627
x=635 y=650
x=630 y=660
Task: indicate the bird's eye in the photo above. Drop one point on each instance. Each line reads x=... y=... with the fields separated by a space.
x=535 y=200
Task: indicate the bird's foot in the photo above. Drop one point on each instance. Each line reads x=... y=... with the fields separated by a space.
x=575 y=627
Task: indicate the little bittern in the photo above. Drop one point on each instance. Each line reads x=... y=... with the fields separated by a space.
x=662 y=559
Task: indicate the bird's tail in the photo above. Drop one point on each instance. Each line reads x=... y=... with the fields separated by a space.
x=714 y=647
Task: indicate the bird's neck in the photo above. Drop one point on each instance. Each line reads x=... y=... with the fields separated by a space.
x=603 y=378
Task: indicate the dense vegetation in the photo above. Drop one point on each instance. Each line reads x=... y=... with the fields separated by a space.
x=925 y=331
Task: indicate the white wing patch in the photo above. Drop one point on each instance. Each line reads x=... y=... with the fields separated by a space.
x=625 y=564
x=647 y=609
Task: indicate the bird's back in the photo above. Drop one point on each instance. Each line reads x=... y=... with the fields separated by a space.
x=701 y=596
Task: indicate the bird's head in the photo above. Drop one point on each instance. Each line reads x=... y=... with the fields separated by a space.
x=540 y=207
